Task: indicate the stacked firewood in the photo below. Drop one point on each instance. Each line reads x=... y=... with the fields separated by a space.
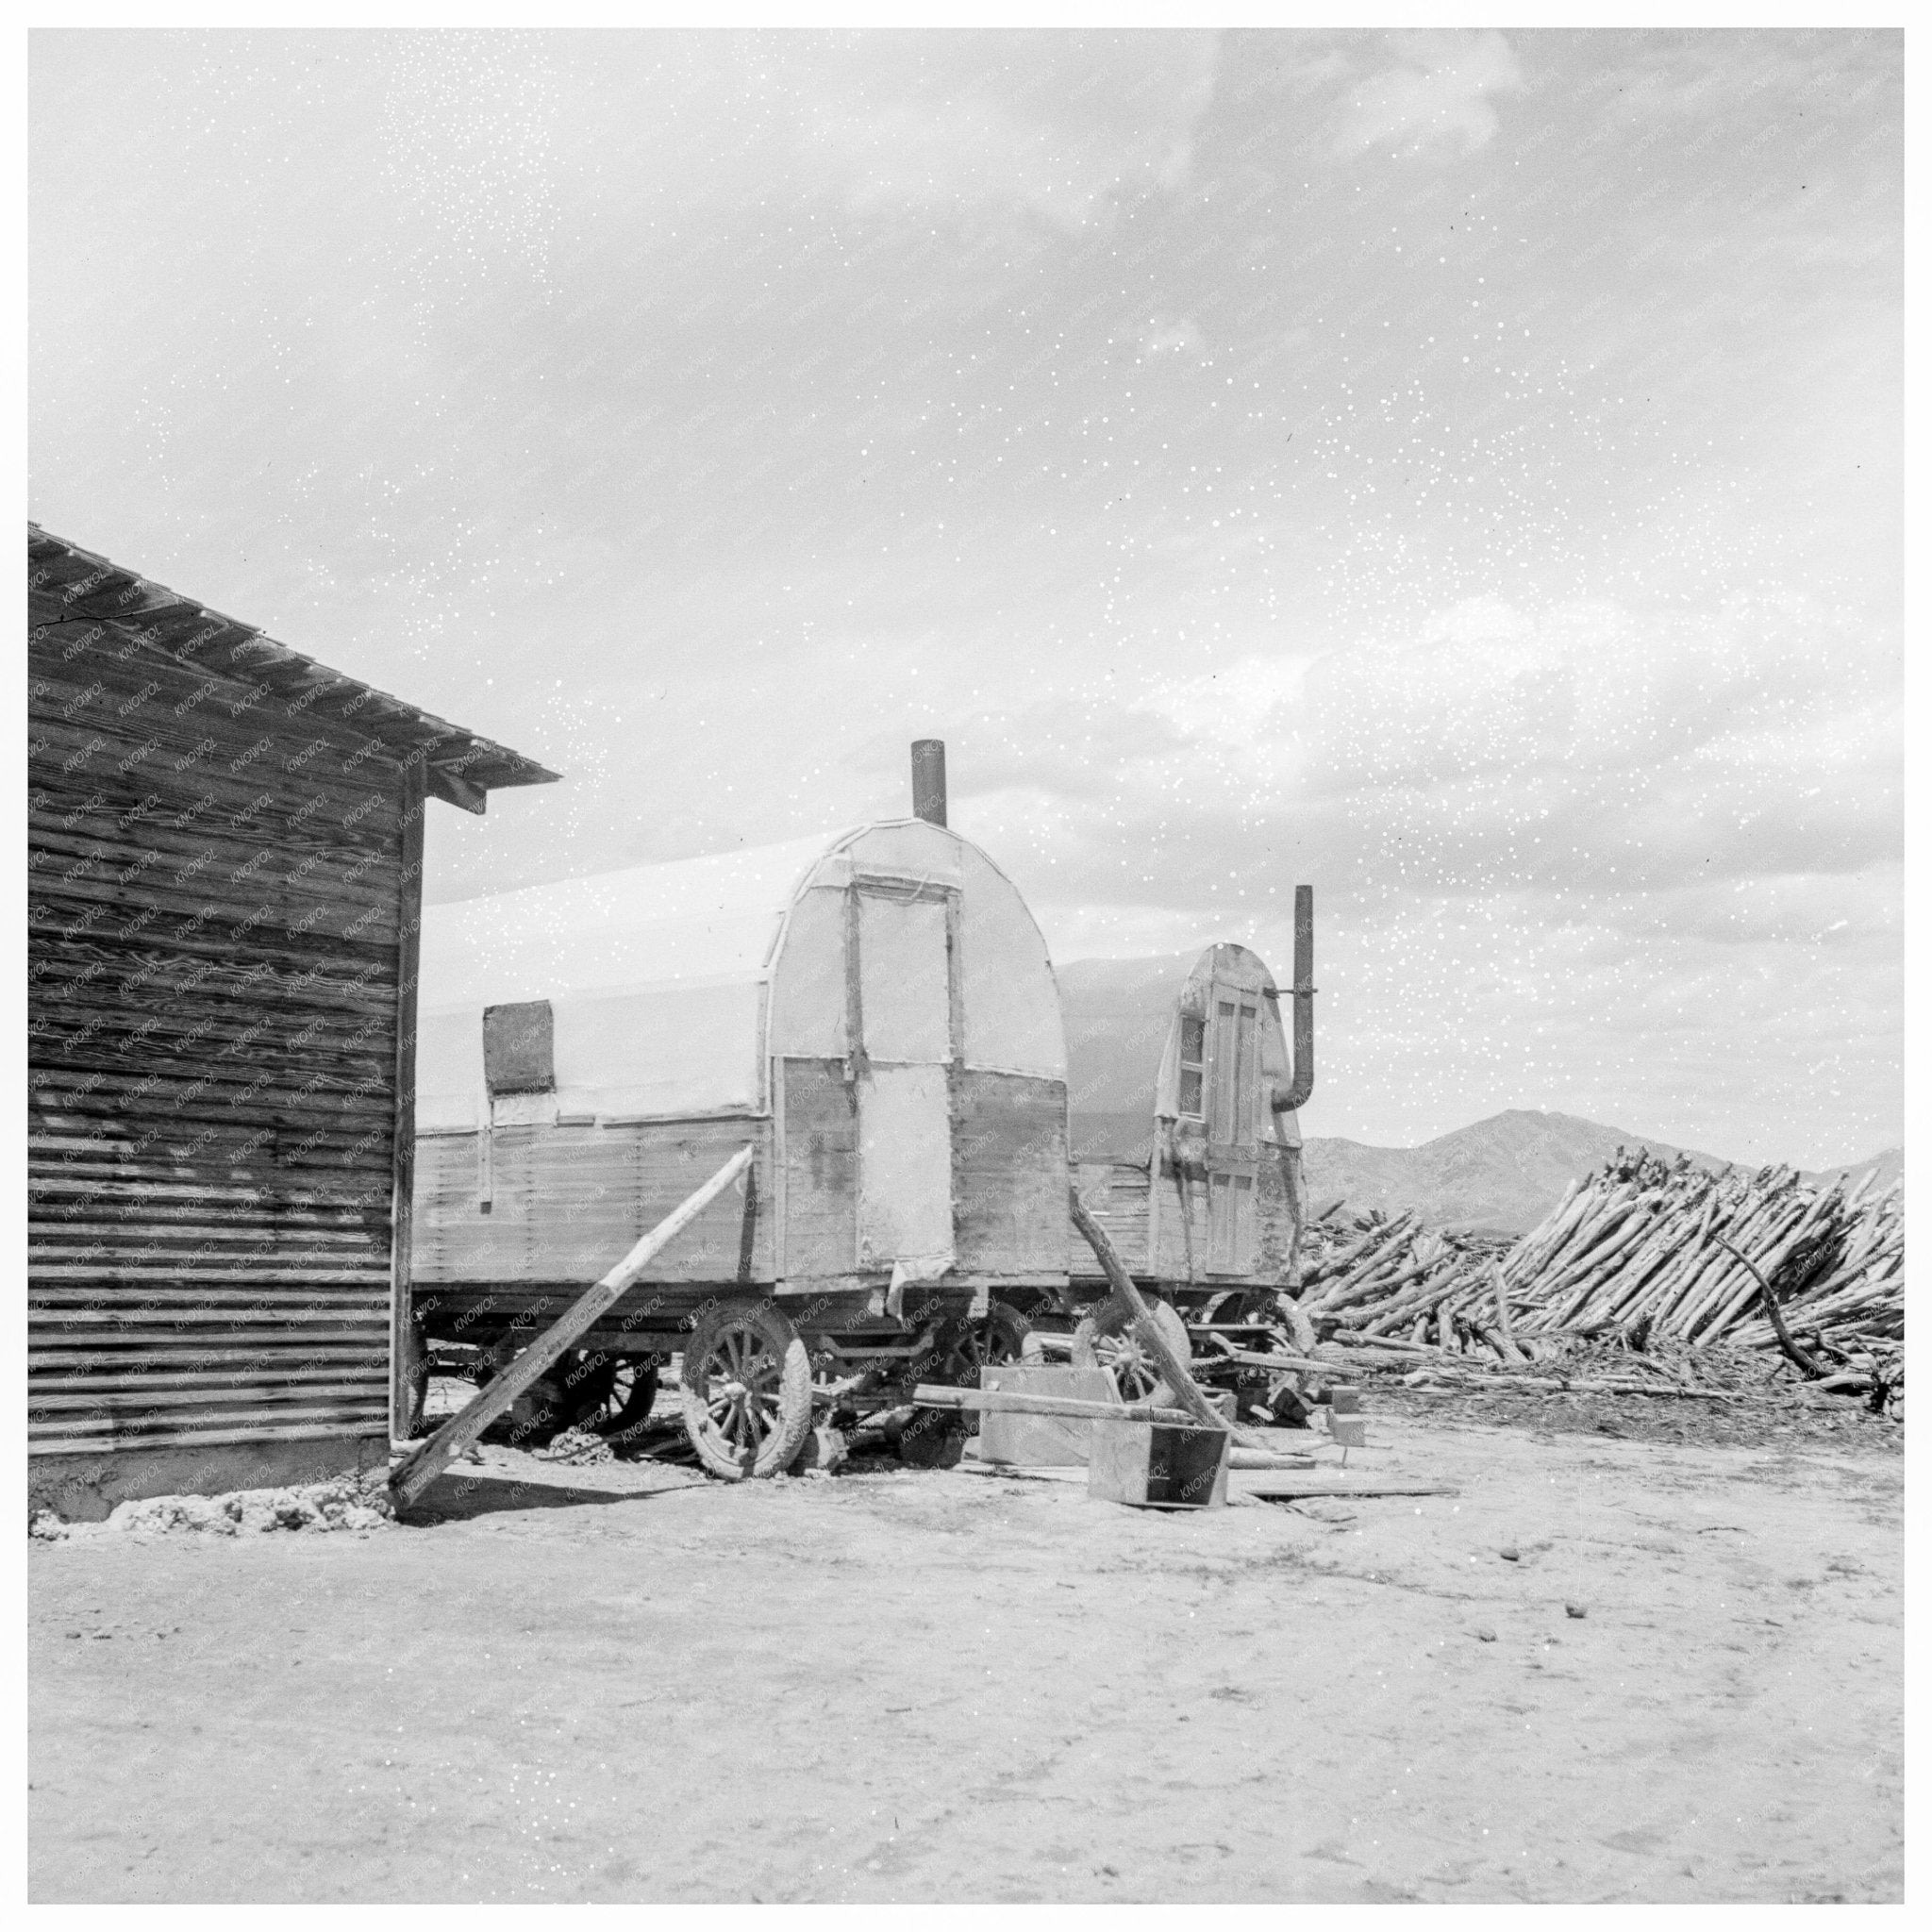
x=1644 y=1252
x=1397 y=1277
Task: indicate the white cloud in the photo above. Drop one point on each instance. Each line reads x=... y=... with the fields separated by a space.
x=1438 y=91
x=1626 y=862
x=957 y=122
x=1162 y=336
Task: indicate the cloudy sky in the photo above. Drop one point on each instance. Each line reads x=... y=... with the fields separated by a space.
x=1457 y=470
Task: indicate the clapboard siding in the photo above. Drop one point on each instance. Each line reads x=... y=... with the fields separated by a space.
x=568 y=1201
x=1116 y=1194
x=215 y=905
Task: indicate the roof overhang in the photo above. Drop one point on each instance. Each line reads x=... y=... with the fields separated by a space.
x=69 y=584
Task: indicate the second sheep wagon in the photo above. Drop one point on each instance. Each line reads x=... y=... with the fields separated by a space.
x=874 y=1014
x=1200 y=1187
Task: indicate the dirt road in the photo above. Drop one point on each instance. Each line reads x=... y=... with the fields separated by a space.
x=901 y=1686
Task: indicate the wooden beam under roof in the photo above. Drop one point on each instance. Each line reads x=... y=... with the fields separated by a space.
x=69 y=584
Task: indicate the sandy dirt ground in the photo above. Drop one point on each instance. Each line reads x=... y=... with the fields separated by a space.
x=622 y=1683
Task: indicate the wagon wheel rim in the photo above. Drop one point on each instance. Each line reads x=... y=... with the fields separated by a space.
x=1135 y=1373
x=629 y=1376
x=744 y=1413
x=981 y=1347
x=624 y=1383
x=976 y=1350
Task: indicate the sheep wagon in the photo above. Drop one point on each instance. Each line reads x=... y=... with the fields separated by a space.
x=1203 y=1196
x=873 y=1014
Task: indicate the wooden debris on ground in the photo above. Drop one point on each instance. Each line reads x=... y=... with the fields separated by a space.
x=1313 y=1489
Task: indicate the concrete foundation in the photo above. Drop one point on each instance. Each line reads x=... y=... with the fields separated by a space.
x=85 y=1488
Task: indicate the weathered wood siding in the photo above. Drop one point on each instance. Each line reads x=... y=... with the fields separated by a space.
x=821 y=1136
x=1270 y=1219
x=1277 y=1216
x=569 y=1200
x=1117 y=1193
x=215 y=903
x=1010 y=1175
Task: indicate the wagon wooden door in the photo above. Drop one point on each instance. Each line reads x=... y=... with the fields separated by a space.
x=1233 y=1052
x=902 y=1022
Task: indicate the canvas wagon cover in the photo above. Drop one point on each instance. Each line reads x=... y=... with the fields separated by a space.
x=666 y=985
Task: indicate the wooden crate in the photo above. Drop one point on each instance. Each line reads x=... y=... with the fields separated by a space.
x=1042 y=1441
x=1158 y=1465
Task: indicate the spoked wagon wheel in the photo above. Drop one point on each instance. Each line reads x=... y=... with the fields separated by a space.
x=1104 y=1340
x=1004 y=1335
x=618 y=1397
x=1237 y=1305
x=747 y=1391
x=542 y=1412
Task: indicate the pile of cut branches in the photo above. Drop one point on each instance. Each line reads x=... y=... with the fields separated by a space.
x=1647 y=1254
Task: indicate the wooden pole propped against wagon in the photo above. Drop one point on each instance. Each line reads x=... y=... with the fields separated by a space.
x=427 y=1463
x=1181 y=1377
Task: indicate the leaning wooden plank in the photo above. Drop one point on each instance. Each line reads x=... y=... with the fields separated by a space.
x=1015 y=1471
x=414 y=1475
x=1179 y=1376
x=1012 y=1401
x=1283 y=1488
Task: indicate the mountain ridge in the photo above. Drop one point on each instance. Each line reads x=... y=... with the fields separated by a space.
x=1502 y=1174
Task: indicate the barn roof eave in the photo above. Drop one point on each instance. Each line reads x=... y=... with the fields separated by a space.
x=67 y=584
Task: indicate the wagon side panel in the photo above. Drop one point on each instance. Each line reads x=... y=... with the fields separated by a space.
x=1180 y=1230
x=550 y=1202
x=1276 y=1230
x=820 y=1170
x=1117 y=1193
x=1010 y=1175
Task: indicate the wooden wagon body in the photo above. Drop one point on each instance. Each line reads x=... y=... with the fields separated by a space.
x=1203 y=1198
x=1206 y=1197
x=874 y=1014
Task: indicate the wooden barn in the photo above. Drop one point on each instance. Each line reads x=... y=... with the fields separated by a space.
x=1203 y=1193
x=872 y=1013
x=225 y=867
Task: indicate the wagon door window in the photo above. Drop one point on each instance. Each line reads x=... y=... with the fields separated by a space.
x=1221 y=1089
x=1247 y=1038
x=1234 y=1041
x=1231 y=1069
x=901 y=1019
x=905 y=1000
